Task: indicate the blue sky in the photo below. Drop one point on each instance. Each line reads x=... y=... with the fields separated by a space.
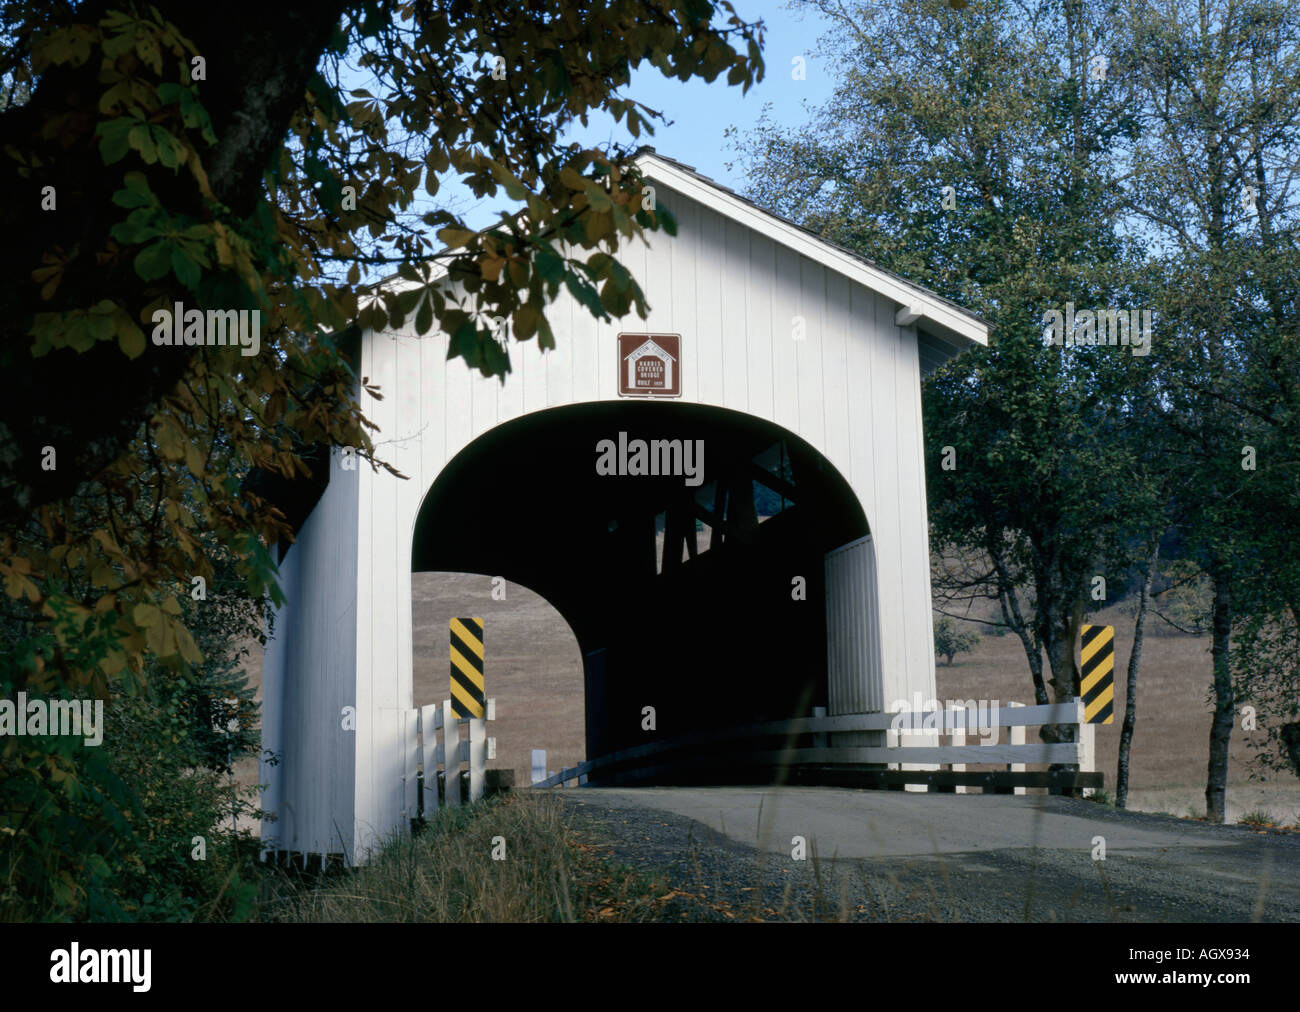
x=701 y=112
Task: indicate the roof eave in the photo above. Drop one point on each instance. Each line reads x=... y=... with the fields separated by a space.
x=917 y=305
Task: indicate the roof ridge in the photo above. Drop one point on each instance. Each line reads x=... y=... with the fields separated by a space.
x=714 y=184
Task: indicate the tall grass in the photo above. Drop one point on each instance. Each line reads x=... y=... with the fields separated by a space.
x=447 y=873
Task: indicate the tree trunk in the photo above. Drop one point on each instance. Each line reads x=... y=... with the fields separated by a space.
x=1062 y=635
x=1216 y=781
x=259 y=70
x=1061 y=631
x=1014 y=618
x=1131 y=687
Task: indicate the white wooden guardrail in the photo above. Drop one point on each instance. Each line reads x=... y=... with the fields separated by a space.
x=899 y=749
x=433 y=742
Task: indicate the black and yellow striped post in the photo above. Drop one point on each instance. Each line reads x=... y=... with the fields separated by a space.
x=1098 y=683
x=467 y=693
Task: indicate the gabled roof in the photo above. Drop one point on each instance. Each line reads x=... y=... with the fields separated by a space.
x=932 y=313
x=944 y=328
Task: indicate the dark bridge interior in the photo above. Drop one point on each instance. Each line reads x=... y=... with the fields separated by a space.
x=679 y=596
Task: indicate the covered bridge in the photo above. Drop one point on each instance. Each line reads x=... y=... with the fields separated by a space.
x=781 y=563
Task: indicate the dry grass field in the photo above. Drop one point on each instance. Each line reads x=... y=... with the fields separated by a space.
x=532 y=666
x=534 y=671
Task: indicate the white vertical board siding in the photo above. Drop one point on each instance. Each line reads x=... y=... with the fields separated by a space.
x=784 y=283
x=708 y=246
x=861 y=401
x=314 y=677
x=486 y=403
x=850 y=388
x=559 y=360
x=836 y=334
x=761 y=329
x=736 y=301
x=887 y=521
x=914 y=527
x=433 y=402
x=407 y=424
x=534 y=371
x=686 y=290
x=852 y=636
x=277 y=660
x=653 y=262
x=585 y=339
x=378 y=801
x=510 y=402
x=371 y=586
x=459 y=386
x=809 y=393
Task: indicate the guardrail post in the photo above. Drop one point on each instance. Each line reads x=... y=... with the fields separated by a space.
x=1017 y=737
x=429 y=743
x=928 y=738
x=900 y=739
x=450 y=753
x=410 y=766
x=477 y=757
x=891 y=741
x=959 y=738
x=1087 y=746
x=987 y=718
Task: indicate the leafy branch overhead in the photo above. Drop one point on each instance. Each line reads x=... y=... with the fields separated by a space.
x=172 y=159
x=185 y=208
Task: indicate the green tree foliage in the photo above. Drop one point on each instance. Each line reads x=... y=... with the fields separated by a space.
x=108 y=831
x=949 y=641
x=1213 y=184
x=156 y=154
x=1266 y=666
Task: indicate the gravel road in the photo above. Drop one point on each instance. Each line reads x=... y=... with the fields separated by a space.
x=893 y=856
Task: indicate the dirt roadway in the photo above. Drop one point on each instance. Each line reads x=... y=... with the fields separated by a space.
x=895 y=856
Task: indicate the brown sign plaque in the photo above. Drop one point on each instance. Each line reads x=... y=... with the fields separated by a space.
x=650 y=365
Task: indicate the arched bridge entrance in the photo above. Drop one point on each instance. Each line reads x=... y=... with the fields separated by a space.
x=693 y=593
